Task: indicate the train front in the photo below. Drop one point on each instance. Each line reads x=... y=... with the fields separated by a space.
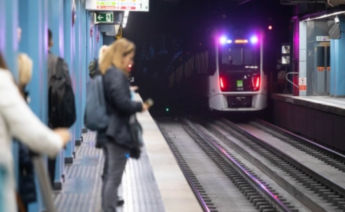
x=239 y=84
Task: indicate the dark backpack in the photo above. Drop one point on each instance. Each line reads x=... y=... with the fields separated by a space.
x=96 y=117
x=62 y=112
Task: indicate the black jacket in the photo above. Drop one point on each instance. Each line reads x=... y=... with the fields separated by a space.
x=27 y=187
x=119 y=106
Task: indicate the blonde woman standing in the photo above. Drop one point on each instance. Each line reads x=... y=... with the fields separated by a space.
x=117 y=139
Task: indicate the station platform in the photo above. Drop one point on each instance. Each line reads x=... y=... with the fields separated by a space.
x=322 y=103
x=154 y=183
x=319 y=118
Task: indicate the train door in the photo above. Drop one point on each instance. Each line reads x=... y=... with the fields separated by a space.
x=323 y=68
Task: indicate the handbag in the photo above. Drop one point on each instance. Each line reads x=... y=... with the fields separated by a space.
x=136 y=131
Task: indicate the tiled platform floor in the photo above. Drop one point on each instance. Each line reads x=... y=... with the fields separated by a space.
x=81 y=191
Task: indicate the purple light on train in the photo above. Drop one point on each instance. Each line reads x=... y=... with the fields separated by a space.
x=223 y=40
x=254 y=39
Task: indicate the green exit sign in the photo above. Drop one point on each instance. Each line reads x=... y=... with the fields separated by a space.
x=104 y=17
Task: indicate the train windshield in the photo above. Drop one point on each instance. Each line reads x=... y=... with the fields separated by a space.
x=239 y=57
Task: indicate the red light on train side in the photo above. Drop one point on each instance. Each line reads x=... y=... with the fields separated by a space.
x=256 y=82
x=221 y=83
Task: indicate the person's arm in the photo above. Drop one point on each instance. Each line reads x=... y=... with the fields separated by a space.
x=22 y=122
x=117 y=86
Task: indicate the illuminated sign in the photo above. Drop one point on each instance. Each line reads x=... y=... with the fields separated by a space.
x=117 y=5
x=104 y=17
x=241 y=41
x=322 y=38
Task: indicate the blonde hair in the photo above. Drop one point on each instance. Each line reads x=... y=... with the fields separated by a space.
x=115 y=53
x=24 y=69
x=101 y=53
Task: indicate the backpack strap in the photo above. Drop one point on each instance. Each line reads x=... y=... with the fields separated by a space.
x=59 y=67
x=52 y=60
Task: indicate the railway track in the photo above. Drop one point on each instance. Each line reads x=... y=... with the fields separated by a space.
x=316 y=150
x=262 y=196
x=315 y=191
x=221 y=140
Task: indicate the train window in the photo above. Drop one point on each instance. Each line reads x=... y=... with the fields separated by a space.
x=239 y=56
x=250 y=56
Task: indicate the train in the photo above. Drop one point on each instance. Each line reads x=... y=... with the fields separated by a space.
x=225 y=71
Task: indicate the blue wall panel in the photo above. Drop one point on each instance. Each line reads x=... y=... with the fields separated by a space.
x=337 y=87
x=69 y=58
x=77 y=69
x=33 y=21
x=84 y=36
x=10 y=42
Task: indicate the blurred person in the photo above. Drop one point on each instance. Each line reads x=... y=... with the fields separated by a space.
x=26 y=184
x=18 y=121
x=63 y=106
x=101 y=53
x=116 y=139
x=25 y=73
x=94 y=65
x=96 y=72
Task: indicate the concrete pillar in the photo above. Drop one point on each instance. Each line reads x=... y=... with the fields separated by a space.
x=77 y=70
x=303 y=55
x=91 y=34
x=337 y=87
x=69 y=42
x=84 y=30
x=295 y=49
x=83 y=38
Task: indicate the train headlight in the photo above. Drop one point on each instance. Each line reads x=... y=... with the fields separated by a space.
x=223 y=40
x=254 y=39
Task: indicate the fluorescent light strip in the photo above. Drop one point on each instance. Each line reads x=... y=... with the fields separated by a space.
x=125 y=18
x=326 y=16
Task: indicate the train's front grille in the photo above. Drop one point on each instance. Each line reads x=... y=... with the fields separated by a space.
x=239 y=101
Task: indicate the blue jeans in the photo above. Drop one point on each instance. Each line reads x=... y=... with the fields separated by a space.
x=114 y=166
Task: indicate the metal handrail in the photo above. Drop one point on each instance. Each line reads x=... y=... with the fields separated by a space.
x=286 y=77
